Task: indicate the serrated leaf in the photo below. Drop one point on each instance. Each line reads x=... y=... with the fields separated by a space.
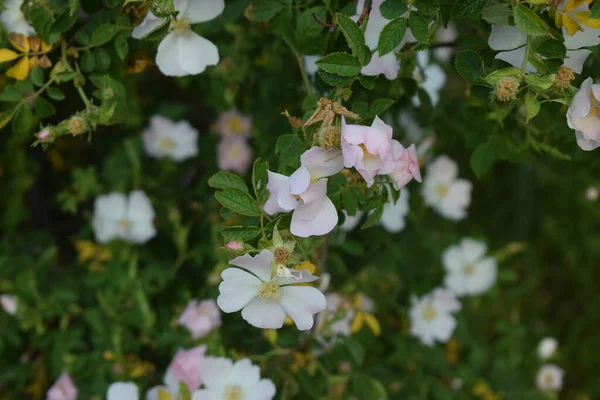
x=37 y=76
x=392 y=9
x=5 y=117
x=238 y=201
x=263 y=10
x=87 y=61
x=467 y=8
x=10 y=93
x=355 y=38
x=103 y=34
x=242 y=233
x=552 y=48
x=469 y=65
x=368 y=82
x=495 y=76
x=121 y=46
x=529 y=22
x=378 y=107
x=391 y=36
x=343 y=64
x=224 y=180
x=427 y=7
x=498 y=14
x=419 y=27
x=335 y=80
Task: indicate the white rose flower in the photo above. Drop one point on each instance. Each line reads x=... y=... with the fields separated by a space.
x=468 y=272
x=122 y=391
x=266 y=299
x=393 y=217
x=224 y=379
x=167 y=139
x=584 y=115
x=127 y=218
x=351 y=222
x=550 y=377
x=9 y=303
x=431 y=316
x=13 y=19
x=547 y=348
x=449 y=196
x=183 y=52
x=430 y=77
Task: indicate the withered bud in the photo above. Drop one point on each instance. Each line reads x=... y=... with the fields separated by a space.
x=18 y=40
x=353 y=177
x=564 y=76
x=506 y=89
x=281 y=256
x=35 y=43
x=295 y=122
x=343 y=111
x=77 y=125
x=44 y=62
x=329 y=137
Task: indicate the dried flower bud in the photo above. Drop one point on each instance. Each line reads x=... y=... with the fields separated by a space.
x=564 y=76
x=329 y=137
x=295 y=122
x=77 y=125
x=506 y=89
x=282 y=255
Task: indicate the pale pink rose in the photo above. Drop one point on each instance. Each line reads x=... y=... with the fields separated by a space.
x=200 y=317
x=584 y=115
x=44 y=135
x=366 y=148
x=234 y=123
x=235 y=154
x=186 y=367
x=233 y=245
x=63 y=389
x=402 y=165
x=9 y=303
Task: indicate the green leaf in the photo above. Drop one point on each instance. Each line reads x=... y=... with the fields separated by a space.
x=55 y=93
x=391 y=36
x=350 y=199
x=368 y=82
x=306 y=26
x=355 y=38
x=552 y=48
x=23 y=119
x=82 y=37
x=241 y=233
x=467 y=8
x=102 y=60
x=374 y=218
x=289 y=147
x=595 y=10
x=532 y=105
x=73 y=7
x=419 y=27
x=378 y=107
x=5 y=117
x=238 y=201
x=87 y=62
x=495 y=76
x=529 y=22
x=224 y=180
x=469 y=65
x=43 y=108
x=37 y=76
x=498 y=14
x=342 y=64
x=482 y=159
x=10 y=93
x=539 y=83
x=63 y=22
x=122 y=46
x=392 y=9
x=554 y=152
x=260 y=179
x=264 y=10
x=103 y=34
x=427 y=7
x=335 y=80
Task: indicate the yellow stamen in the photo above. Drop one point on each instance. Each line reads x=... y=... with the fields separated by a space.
x=268 y=291
x=429 y=313
x=181 y=26
x=166 y=144
x=469 y=269
x=235 y=124
x=441 y=190
x=233 y=392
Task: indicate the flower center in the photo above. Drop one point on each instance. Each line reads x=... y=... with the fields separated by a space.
x=166 y=144
x=164 y=395
x=268 y=291
x=233 y=392
x=365 y=151
x=181 y=26
x=441 y=190
x=124 y=224
x=469 y=269
x=548 y=379
x=429 y=313
x=235 y=124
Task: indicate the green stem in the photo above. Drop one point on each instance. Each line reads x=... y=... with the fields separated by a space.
x=526 y=58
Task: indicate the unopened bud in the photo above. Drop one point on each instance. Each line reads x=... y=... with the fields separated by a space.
x=108 y=94
x=564 y=76
x=506 y=89
x=329 y=137
x=234 y=245
x=44 y=135
x=77 y=125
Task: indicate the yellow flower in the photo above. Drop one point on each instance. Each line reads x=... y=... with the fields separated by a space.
x=31 y=48
x=90 y=251
x=573 y=14
x=362 y=318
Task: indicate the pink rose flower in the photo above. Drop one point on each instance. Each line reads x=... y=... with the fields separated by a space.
x=186 y=367
x=234 y=123
x=234 y=154
x=200 y=318
x=402 y=165
x=63 y=389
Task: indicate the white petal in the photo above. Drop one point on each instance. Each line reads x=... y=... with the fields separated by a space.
x=244 y=373
x=586 y=38
x=305 y=276
x=387 y=65
x=301 y=302
x=203 y=10
x=580 y=106
x=139 y=207
x=483 y=277
x=148 y=25
x=299 y=181
x=185 y=54
x=204 y=394
x=351 y=222
x=122 y=391
x=452 y=259
x=585 y=143
x=286 y=201
x=473 y=250
x=321 y=163
x=504 y=37
x=321 y=224
x=515 y=58
x=215 y=371
x=263 y=390
x=264 y=315
x=237 y=289
x=259 y=265
x=393 y=215
x=576 y=58
x=443 y=326
x=275 y=183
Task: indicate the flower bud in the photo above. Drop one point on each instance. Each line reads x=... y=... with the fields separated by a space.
x=564 y=76
x=44 y=135
x=506 y=89
x=77 y=125
x=234 y=245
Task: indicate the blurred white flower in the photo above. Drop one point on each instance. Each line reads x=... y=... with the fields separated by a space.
x=431 y=77
x=188 y=367
x=468 y=271
x=393 y=217
x=224 y=379
x=305 y=193
x=62 y=389
x=351 y=222
x=592 y=193
x=182 y=51
x=431 y=316
x=310 y=65
x=200 y=317
x=339 y=315
x=412 y=129
x=167 y=139
x=122 y=391
x=265 y=300
x=443 y=191
x=547 y=348
x=375 y=24
x=583 y=115
x=234 y=123
x=127 y=218
x=388 y=65
x=14 y=20
x=445 y=35
x=234 y=154
x=550 y=377
x=9 y=303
